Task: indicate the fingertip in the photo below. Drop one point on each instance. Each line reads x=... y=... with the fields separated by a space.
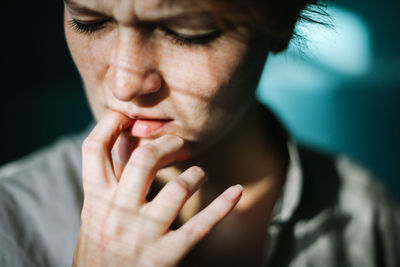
x=124 y=121
x=234 y=193
x=240 y=187
x=197 y=170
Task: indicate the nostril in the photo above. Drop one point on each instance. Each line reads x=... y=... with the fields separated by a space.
x=152 y=83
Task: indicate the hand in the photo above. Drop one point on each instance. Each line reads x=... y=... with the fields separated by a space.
x=119 y=227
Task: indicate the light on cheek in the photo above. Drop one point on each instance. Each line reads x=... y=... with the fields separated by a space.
x=202 y=72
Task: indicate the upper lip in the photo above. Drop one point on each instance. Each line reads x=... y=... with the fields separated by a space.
x=137 y=116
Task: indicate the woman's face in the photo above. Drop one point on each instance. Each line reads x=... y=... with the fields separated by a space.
x=168 y=66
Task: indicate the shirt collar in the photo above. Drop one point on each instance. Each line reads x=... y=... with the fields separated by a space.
x=292 y=189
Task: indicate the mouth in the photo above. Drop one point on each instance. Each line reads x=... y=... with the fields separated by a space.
x=147 y=128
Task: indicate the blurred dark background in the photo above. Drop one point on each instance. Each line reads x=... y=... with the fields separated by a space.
x=340 y=95
x=43 y=97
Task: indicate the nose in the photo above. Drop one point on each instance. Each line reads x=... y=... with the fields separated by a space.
x=132 y=69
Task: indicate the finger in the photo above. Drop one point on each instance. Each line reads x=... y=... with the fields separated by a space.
x=121 y=151
x=164 y=208
x=124 y=147
x=186 y=237
x=118 y=168
x=143 y=164
x=96 y=148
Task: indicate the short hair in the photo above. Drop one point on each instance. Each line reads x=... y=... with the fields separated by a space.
x=272 y=19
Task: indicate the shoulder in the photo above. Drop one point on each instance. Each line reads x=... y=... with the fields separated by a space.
x=354 y=219
x=40 y=200
x=363 y=195
x=38 y=176
x=374 y=213
x=362 y=190
x=62 y=152
x=351 y=186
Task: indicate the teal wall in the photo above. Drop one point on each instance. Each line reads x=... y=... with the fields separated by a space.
x=341 y=92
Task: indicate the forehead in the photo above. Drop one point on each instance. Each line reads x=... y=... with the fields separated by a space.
x=139 y=9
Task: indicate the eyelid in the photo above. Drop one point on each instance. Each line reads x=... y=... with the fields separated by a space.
x=90 y=27
x=90 y=22
x=87 y=27
x=194 y=35
x=188 y=32
x=180 y=39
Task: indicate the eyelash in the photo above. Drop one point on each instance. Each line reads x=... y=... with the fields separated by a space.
x=90 y=28
x=86 y=28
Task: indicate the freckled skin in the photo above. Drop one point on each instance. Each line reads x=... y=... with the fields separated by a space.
x=207 y=92
x=205 y=89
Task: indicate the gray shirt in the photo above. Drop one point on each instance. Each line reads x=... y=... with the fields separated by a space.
x=331 y=212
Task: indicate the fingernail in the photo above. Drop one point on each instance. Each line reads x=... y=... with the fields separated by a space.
x=234 y=192
x=240 y=187
x=178 y=139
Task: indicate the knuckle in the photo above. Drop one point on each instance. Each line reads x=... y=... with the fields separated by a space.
x=112 y=115
x=173 y=138
x=179 y=187
x=195 y=230
x=85 y=215
x=90 y=145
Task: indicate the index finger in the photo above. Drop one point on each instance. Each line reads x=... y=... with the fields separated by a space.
x=96 y=148
x=194 y=230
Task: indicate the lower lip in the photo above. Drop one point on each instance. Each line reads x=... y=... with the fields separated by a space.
x=148 y=128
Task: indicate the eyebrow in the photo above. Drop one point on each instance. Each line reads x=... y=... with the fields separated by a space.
x=79 y=8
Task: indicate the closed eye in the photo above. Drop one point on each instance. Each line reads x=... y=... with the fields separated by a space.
x=87 y=27
x=198 y=39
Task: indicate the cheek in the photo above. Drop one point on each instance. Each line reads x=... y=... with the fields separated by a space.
x=201 y=74
x=91 y=59
x=90 y=54
x=203 y=80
